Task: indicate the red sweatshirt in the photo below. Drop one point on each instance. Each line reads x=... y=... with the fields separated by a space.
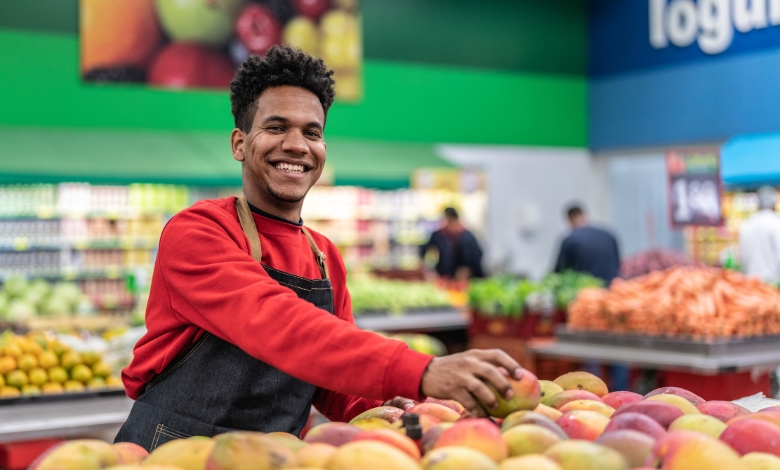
x=206 y=280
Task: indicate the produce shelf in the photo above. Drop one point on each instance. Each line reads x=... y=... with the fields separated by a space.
x=58 y=416
x=701 y=357
x=714 y=346
x=417 y=321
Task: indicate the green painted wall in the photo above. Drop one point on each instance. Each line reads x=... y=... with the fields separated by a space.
x=520 y=35
x=40 y=87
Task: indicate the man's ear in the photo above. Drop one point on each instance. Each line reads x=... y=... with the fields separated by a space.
x=237 y=140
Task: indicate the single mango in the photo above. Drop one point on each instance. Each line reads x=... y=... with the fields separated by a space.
x=582 y=381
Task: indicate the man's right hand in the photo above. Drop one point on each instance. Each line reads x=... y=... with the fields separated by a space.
x=464 y=377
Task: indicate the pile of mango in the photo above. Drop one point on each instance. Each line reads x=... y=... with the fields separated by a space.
x=39 y=364
x=571 y=423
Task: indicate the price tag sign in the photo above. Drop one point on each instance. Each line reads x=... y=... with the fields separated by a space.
x=694 y=187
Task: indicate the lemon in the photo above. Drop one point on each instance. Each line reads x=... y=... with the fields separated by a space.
x=81 y=373
x=16 y=378
x=7 y=364
x=48 y=359
x=13 y=350
x=113 y=381
x=58 y=374
x=90 y=357
x=38 y=376
x=73 y=386
x=27 y=361
x=29 y=390
x=52 y=387
x=31 y=347
x=7 y=392
x=101 y=369
x=96 y=382
x=70 y=359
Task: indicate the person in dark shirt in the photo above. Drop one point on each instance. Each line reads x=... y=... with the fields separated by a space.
x=588 y=249
x=594 y=251
x=460 y=256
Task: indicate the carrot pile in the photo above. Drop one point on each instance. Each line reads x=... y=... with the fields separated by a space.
x=690 y=301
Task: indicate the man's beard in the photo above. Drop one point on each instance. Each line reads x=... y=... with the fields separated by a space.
x=282 y=198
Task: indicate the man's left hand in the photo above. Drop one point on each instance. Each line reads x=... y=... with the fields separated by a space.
x=400 y=402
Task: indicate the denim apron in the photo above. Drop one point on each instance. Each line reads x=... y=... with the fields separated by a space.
x=215 y=387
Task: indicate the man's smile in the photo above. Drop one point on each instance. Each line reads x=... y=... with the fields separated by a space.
x=291 y=170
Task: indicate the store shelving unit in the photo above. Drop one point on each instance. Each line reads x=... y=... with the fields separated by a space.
x=384 y=229
x=714 y=245
x=417 y=321
x=62 y=416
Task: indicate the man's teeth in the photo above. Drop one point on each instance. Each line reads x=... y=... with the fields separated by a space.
x=290 y=168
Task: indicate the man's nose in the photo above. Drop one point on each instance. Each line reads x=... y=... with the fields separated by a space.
x=295 y=142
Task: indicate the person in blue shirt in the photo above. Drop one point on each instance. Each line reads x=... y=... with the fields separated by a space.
x=594 y=251
x=588 y=249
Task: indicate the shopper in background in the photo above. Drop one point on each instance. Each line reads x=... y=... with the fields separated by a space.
x=460 y=257
x=594 y=251
x=588 y=249
x=249 y=319
x=759 y=238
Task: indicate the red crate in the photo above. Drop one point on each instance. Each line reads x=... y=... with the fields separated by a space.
x=524 y=327
x=530 y=325
x=19 y=455
x=724 y=386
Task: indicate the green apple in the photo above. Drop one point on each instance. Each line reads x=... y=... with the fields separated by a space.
x=208 y=22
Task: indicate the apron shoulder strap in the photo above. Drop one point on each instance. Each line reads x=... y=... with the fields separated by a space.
x=249 y=227
x=250 y=230
x=318 y=253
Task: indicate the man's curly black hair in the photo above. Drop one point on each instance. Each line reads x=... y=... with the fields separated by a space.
x=282 y=66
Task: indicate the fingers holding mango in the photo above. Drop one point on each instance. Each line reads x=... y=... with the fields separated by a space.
x=484 y=381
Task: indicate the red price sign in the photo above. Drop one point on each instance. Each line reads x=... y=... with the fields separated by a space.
x=694 y=187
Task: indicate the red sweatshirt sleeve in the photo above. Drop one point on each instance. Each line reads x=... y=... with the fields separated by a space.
x=216 y=285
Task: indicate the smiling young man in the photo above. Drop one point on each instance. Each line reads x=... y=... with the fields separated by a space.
x=249 y=319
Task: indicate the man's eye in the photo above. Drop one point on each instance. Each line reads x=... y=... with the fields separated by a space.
x=314 y=135
x=275 y=128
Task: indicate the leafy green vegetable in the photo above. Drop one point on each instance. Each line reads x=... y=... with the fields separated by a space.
x=565 y=286
x=500 y=296
x=505 y=296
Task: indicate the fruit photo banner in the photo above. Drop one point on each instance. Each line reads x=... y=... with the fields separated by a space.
x=199 y=43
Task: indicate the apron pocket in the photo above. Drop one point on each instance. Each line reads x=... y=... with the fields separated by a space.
x=165 y=434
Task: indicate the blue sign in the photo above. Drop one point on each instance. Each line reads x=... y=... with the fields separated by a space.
x=627 y=35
